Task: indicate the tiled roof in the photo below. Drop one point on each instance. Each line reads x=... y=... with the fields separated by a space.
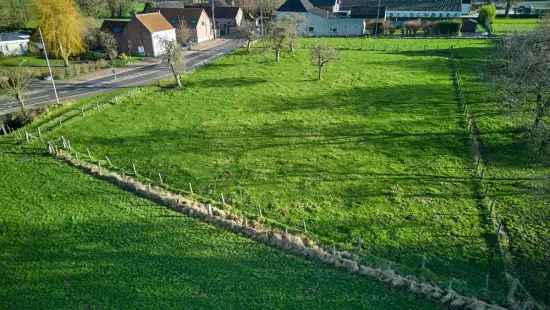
x=154 y=22
x=114 y=26
x=303 y=6
x=227 y=12
x=321 y=3
x=174 y=15
x=402 y=5
x=13 y=36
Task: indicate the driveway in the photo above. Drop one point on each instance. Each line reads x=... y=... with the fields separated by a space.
x=41 y=92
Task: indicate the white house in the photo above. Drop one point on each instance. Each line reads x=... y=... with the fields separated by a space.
x=145 y=34
x=14 y=43
x=319 y=22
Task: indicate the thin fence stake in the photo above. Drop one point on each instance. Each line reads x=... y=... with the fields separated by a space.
x=209 y=209
x=190 y=189
x=305 y=227
x=108 y=161
x=99 y=165
x=134 y=168
x=39 y=132
x=160 y=178
x=27 y=136
x=223 y=199
x=89 y=154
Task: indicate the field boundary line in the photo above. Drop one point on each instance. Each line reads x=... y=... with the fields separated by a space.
x=499 y=232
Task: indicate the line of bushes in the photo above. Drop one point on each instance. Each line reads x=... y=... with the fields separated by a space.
x=449 y=27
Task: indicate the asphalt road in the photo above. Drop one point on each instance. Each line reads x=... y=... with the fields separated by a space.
x=41 y=92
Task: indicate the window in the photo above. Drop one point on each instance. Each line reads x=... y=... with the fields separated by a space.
x=310 y=29
x=334 y=30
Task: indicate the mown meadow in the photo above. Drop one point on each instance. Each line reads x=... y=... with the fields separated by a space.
x=375 y=157
x=374 y=154
x=70 y=241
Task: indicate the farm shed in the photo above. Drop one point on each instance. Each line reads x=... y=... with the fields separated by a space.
x=14 y=43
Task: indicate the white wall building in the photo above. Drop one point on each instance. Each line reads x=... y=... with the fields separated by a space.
x=14 y=43
x=319 y=22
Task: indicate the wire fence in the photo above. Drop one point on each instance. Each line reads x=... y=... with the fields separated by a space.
x=517 y=295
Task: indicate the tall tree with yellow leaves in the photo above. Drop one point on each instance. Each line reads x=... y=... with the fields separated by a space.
x=62 y=26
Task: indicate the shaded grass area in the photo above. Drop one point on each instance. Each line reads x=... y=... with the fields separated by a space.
x=71 y=241
x=375 y=153
x=518 y=175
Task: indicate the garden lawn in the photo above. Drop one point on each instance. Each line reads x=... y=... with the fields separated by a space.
x=375 y=153
x=71 y=241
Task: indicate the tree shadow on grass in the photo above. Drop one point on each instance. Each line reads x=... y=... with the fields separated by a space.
x=224 y=82
x=171 y=263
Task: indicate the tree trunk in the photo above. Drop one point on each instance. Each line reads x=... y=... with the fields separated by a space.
x=19 y=97
x=277 y=54
x=176 y=75
x=540 y=110
x=508 y=7
x=319 y=67
x=63 y=55
x=292 y=46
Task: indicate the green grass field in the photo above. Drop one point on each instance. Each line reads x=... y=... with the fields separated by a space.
x=70 y=241
x=511 y=25
x=518 y=177
x=375 y=152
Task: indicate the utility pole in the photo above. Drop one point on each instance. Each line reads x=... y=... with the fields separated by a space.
x=261 y=18
x=377 y=18
x=214 y=17
x=49 y=67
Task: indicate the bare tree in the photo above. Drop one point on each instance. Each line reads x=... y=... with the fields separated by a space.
x=16 y=83
x=278 y=34
x=292 y=22
x=183 y=31
x=321 y=55
x=247 y=31
x=522 y=74
x=173 y=56
x=108 y=42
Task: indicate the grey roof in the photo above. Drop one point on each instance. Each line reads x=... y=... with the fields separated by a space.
x=175 y=15
x=114 y=26
x=303 y=6
x=402 y=5
x=321 y=3
x=13 y=36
